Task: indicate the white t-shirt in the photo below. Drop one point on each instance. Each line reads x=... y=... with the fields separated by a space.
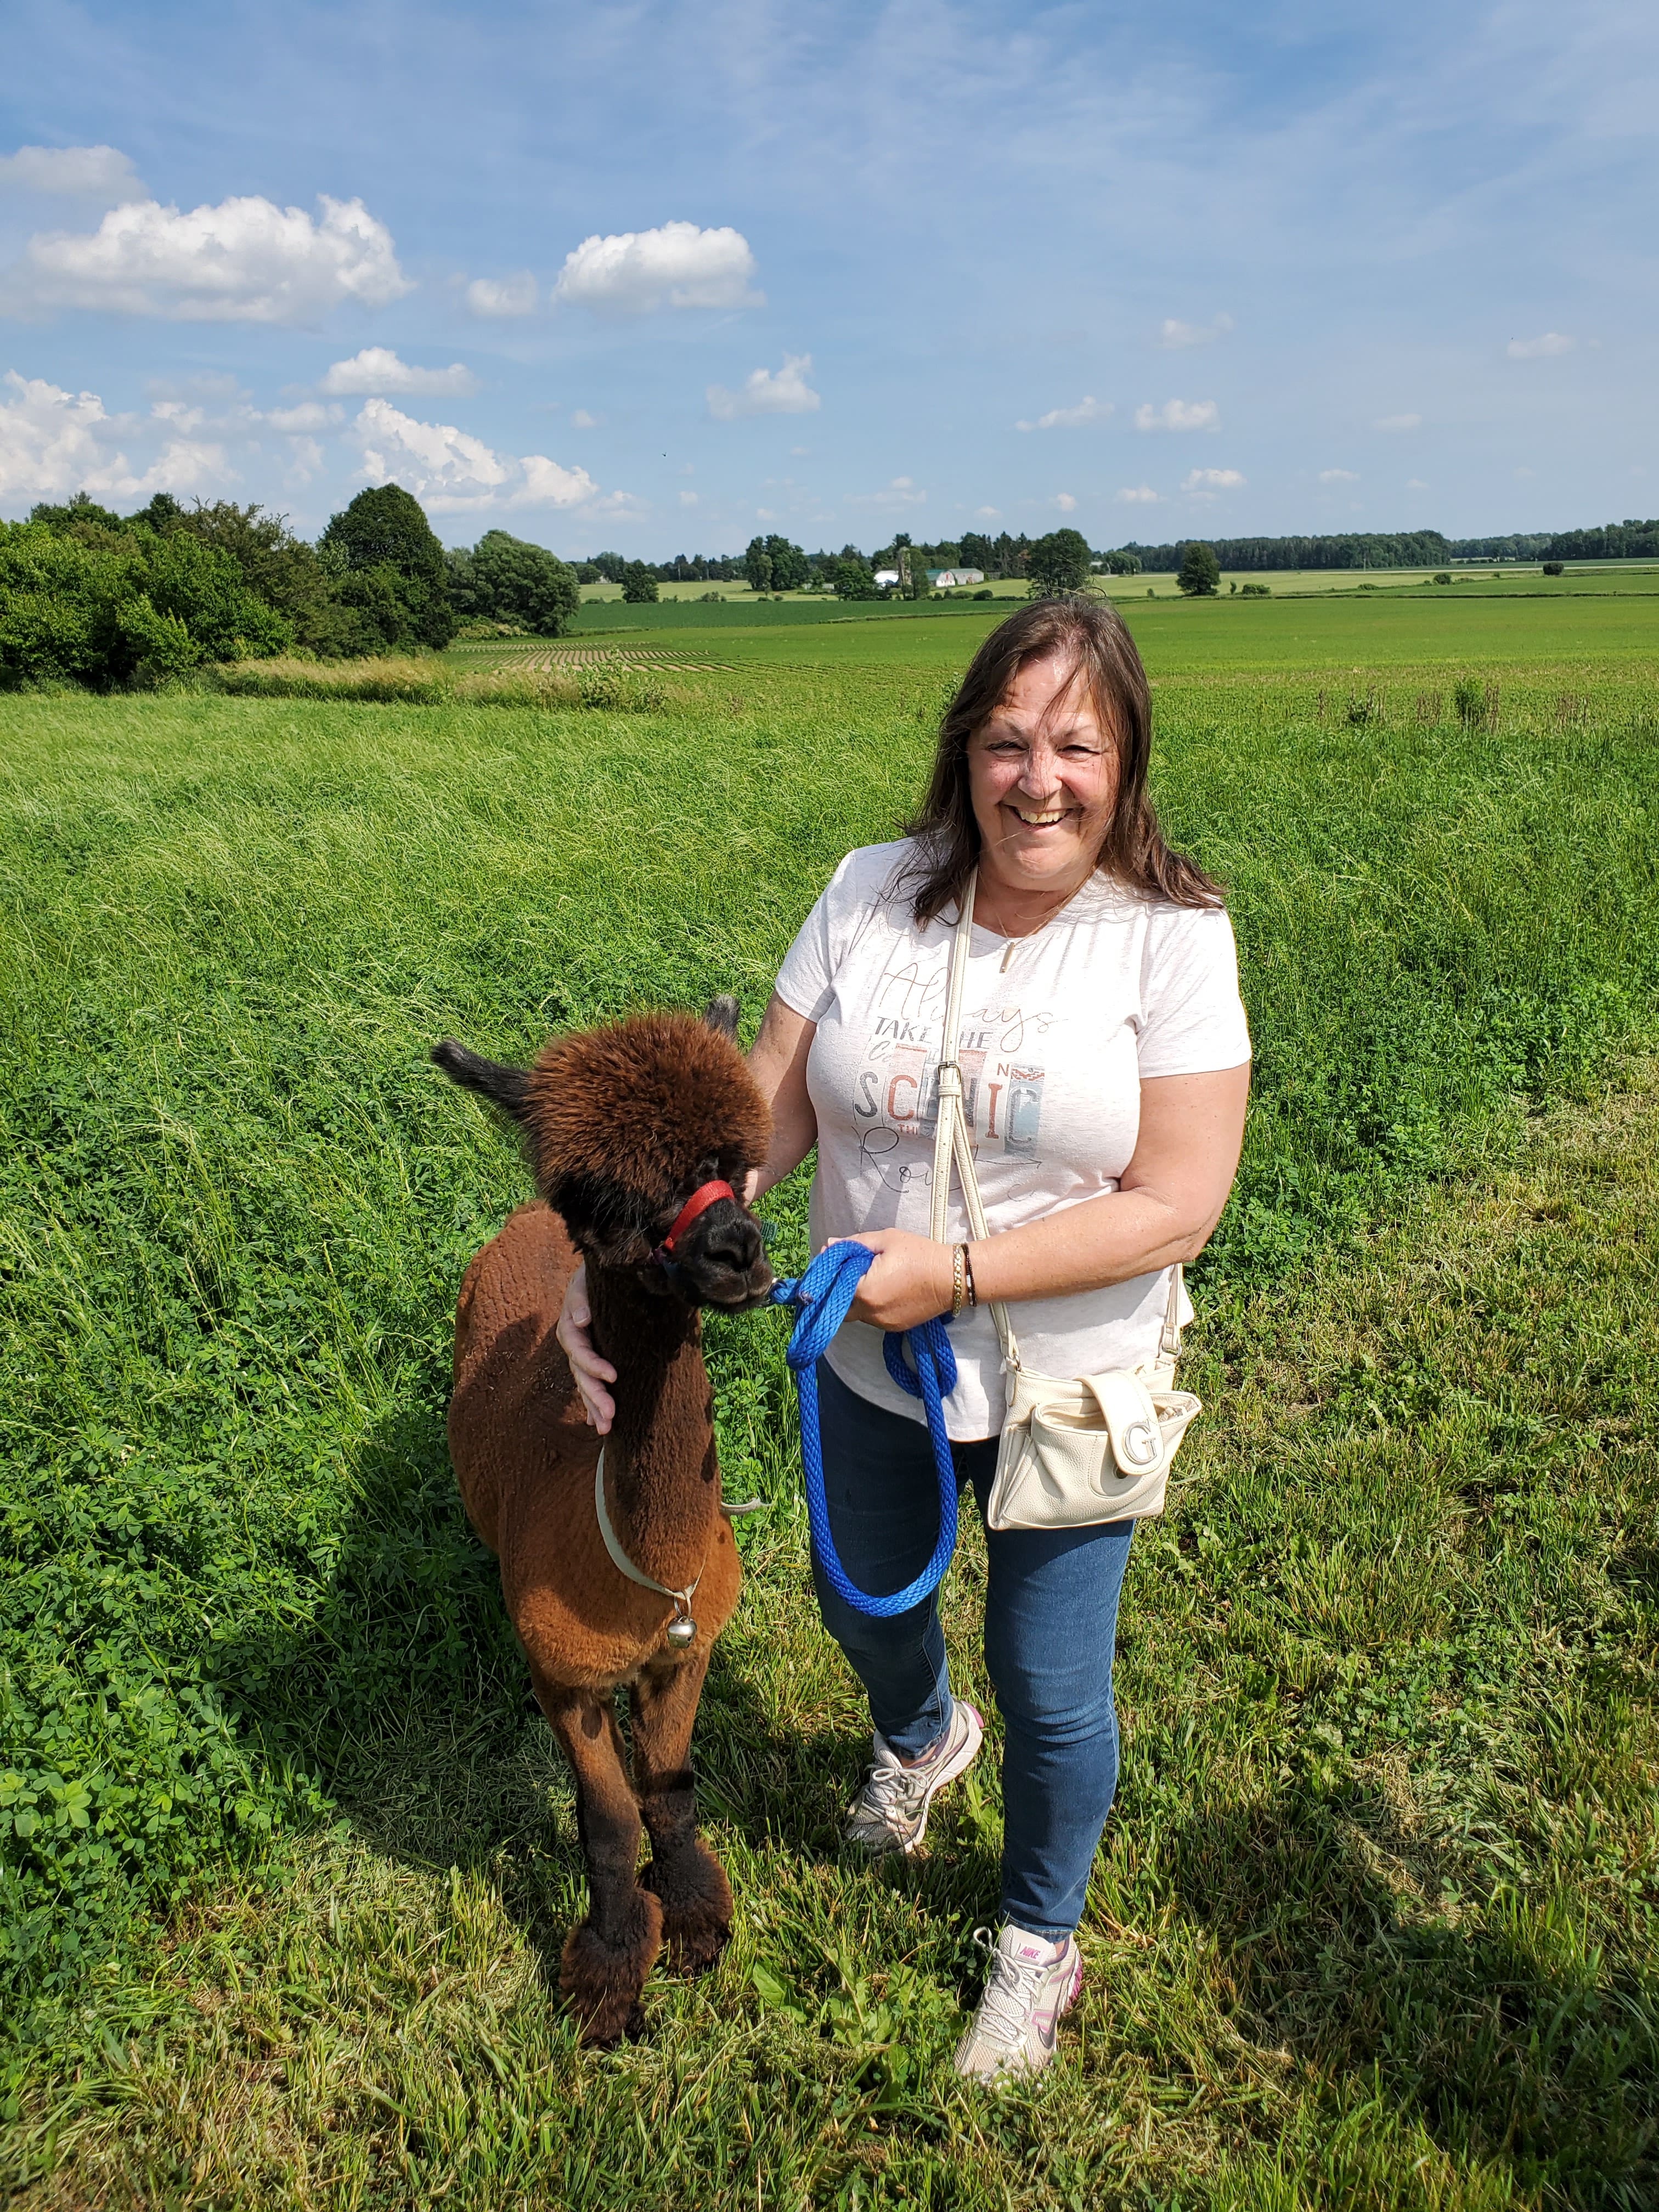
x=1058 y=1031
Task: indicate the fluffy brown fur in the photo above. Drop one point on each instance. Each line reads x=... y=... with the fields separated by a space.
x=622 y=1123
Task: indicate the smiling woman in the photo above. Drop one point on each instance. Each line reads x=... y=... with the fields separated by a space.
x=1103 y=1062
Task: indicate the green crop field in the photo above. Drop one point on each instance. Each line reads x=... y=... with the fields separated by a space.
x=285 y=1860
x=1444 y=631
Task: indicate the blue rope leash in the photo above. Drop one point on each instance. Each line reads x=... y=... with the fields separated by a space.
x=823 y=1294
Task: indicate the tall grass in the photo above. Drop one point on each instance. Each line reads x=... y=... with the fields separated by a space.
x=433 y=680
x=1384 y=1856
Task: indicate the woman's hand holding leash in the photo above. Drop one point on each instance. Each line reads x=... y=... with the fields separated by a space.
x=910 y=1281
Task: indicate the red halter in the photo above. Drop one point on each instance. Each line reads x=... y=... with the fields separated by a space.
x=701 y=1199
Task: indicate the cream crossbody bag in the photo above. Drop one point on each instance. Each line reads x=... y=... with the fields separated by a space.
x=1078 y=1450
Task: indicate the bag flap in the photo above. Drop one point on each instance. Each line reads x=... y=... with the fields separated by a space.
x=1131 y=1419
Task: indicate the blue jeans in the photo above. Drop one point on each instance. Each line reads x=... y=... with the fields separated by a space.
x=1050 y=1628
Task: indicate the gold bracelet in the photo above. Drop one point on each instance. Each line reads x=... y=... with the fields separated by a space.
x=958 y=1277
x=968 y=1270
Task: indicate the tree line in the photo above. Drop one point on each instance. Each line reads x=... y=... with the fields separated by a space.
x=1412 y=549
x=90 y=597
x=94 y=597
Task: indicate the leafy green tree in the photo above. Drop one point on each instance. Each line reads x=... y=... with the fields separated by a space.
x=977 y=551
x=508 y=580
x=76 y=516
x=1199 y=573
x=273 y=563
x=386 y=528
x=1059 y=563
x=1010 y=555
x=773 y=564
x=1121 y=564
x=138 y=611
x=639 y=587
x=853 y=579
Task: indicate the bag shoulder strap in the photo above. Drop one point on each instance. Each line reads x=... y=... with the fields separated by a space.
x=953 y=1142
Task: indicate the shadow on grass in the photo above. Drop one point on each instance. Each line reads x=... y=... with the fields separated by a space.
x=1347 y=1945
x=406 y=1695
x=1340 y=1933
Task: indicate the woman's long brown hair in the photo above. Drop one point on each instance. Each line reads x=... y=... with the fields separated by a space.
x=1090 y=633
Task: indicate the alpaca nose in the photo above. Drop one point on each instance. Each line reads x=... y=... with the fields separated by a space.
x=735 y=1244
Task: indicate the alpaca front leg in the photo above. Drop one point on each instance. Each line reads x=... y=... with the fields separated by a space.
x=696 y=1898
x=606 y=1960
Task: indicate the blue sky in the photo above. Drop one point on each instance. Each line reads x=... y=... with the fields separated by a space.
x=658 y=275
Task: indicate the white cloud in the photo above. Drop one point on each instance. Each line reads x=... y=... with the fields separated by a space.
x=1541 y=348
x=1338 y=476
x=53 y=441
x=899 y=492
x=496 y=297
x=687 y=499
x=88 y=173
x=1064 y=502
x=1207 y=480
x=546 y=484
x=451 y=472
x=1415 y=484
x=1180 y=415
x=1087 y=409
x=988 y=515
x=244 y=261
x=764 y=392
x=582 y=420
x=310 y=415
x=635 y=271
x=377 y=368
x=1397 y=422
x=1175 y=334
x=306 y=458
x=1139 y=495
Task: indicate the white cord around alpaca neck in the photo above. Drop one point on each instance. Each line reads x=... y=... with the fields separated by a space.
x=682 y=1629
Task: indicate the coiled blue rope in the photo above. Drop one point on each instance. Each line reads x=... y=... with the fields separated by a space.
x=823 y=1294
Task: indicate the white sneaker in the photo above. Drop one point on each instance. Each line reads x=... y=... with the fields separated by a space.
x=890 y=1813
x=1031 y=1983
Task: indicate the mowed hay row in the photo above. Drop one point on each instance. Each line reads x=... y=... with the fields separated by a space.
x=554 y=658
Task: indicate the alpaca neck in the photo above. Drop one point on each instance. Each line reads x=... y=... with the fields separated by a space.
x=661 y=1478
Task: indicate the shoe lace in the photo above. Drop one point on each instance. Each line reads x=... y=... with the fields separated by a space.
x=1011 y=1994
x=887 y=1789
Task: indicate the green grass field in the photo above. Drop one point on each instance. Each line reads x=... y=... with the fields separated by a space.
x=287 y=1861
x=1346 y=634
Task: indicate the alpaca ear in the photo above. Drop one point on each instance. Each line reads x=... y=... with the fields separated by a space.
x=506 y=1087
x=722 y=1016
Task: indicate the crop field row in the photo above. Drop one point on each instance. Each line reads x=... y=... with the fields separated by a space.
x=285 y=1860
x=1331 y=631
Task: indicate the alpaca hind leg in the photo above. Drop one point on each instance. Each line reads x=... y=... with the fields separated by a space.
x=606 y=1960
x=696 y=1898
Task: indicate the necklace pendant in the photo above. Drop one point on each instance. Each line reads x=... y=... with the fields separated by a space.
x=681 y=1631
x=1008 y=953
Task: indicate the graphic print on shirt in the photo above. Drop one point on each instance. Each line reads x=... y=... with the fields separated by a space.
x=896 y=1091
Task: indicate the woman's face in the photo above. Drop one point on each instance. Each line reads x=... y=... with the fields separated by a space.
x=1042 y=779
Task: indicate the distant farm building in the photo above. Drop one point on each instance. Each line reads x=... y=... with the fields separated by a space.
x=944 y=579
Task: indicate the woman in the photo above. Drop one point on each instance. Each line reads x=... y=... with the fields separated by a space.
x=1105 y=1058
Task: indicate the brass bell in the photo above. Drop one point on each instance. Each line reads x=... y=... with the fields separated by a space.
x=682 y=1631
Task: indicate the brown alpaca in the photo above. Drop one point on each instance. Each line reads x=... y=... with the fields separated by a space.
x=623 y=1125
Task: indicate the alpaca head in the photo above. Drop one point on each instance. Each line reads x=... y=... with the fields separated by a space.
x=624 y=1123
